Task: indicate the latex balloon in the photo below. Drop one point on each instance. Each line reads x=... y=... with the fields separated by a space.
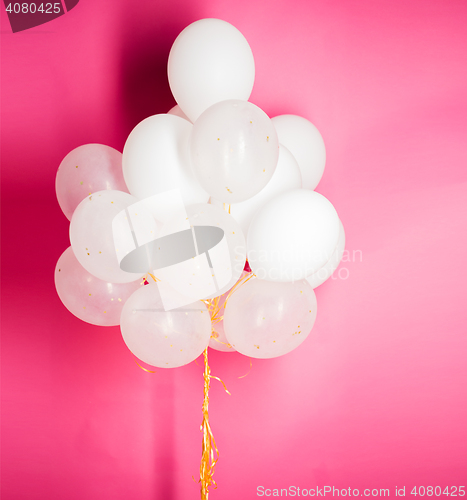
x=234 y=149
x=92 y=238
x=210 y=61
x=266 y=320
x=87 y=297
x=218 y=339
x=323 y=274
x=166 y=339
x=204 y=214
x=292 y=236
x=286 y=177
x=177 y=111
x=85 y=170
x=304 y=141
x=156 y=158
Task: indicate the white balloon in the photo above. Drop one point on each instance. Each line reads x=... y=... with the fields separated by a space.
x=92 y=238
x=210 y=61
x=156 y=158
x=208 y=215
x=265 y=320
x=177 y=111
x=304 y=141
x=292 y=236
x=85 y=170
x=87 y=297
x=166 y=339
x=218 y=340
x=320 y=276
x=234 y=149
x=286 y=177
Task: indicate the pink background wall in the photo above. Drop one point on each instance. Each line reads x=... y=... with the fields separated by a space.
x=376 y=397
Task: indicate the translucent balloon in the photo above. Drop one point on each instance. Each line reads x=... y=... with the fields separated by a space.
x=304 y=141
x=320 y=276
x=156 y=158
x=85 y=170
x=177 y=111
x=218 y=340
x=166 y=339
x=210 y=61
x=265 y=320
x=207 y=215
x=92 y=238
x=87 y=297
x=292 y=236
x=286 y=177
x=234 y=149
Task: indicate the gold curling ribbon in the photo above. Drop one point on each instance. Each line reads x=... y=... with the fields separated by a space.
x=248 y=372
x=214 y=308
x=210 y=454
x=145 y=369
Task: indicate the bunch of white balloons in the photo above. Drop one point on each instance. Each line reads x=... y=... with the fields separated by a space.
x=235 y=169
